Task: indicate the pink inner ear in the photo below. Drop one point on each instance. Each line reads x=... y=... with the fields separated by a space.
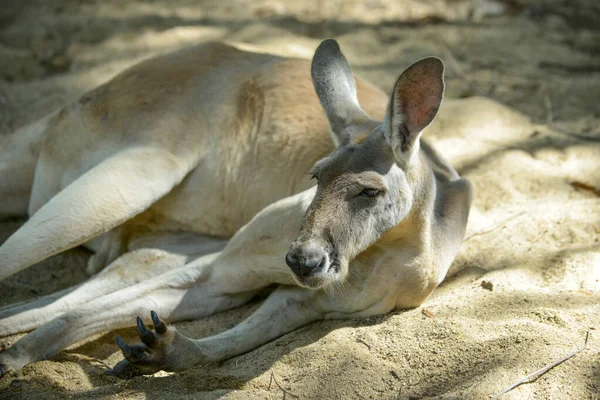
x=419 y=92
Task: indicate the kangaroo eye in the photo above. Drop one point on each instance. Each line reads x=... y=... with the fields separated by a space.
x=370 y=193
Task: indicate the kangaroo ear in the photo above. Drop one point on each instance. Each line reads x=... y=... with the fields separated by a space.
x=414 y=103
x=336 y=88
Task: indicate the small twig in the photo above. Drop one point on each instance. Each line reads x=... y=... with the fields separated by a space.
x=586 y=187
x=107 y=365
x=285 y=392
x=310 y=338
x=496 y=226
x=427 y=313
x=78 y=357
x=359 y=340
x=535 y=375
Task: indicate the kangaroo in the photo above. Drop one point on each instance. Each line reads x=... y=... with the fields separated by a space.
x=188 y=175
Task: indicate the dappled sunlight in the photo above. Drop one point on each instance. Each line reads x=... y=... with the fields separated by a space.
x=520 y=120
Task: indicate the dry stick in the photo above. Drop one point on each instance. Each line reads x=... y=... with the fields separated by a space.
x=534 y=376
x=359 y=340
x=88 y=358
x=285 y=392
x=496 y=226
x=585 y=186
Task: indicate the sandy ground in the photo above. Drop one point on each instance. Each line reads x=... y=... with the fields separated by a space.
x=524 y=289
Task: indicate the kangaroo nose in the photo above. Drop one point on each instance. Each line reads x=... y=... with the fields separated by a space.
x=305 y=259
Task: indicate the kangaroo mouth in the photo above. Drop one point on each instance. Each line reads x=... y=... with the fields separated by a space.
x=326 y=275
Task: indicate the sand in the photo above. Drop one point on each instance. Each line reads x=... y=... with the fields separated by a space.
x=525 y=287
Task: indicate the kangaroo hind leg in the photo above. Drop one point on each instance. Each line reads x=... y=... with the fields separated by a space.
x=103 y=198
x=128 y=270
x=163 y=348
x=192 y=291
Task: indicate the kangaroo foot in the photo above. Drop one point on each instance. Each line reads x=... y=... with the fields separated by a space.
x=162 y=348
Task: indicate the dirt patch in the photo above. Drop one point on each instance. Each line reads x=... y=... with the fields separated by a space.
x=524 y=289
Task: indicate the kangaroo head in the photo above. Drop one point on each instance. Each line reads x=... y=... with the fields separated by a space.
x=369 y=183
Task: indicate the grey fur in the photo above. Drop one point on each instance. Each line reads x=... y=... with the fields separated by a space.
x=336 y=88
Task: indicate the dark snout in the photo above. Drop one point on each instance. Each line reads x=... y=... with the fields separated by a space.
x=306 y=259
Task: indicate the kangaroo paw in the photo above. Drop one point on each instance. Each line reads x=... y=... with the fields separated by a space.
x=162 y=348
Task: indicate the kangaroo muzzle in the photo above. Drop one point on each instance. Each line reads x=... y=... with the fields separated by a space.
x=307 y=259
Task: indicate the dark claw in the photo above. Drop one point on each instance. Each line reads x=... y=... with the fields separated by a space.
x=159 y=326
x=135 y=354
x=141 y=327
x=122 y=345
x=146 y=335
